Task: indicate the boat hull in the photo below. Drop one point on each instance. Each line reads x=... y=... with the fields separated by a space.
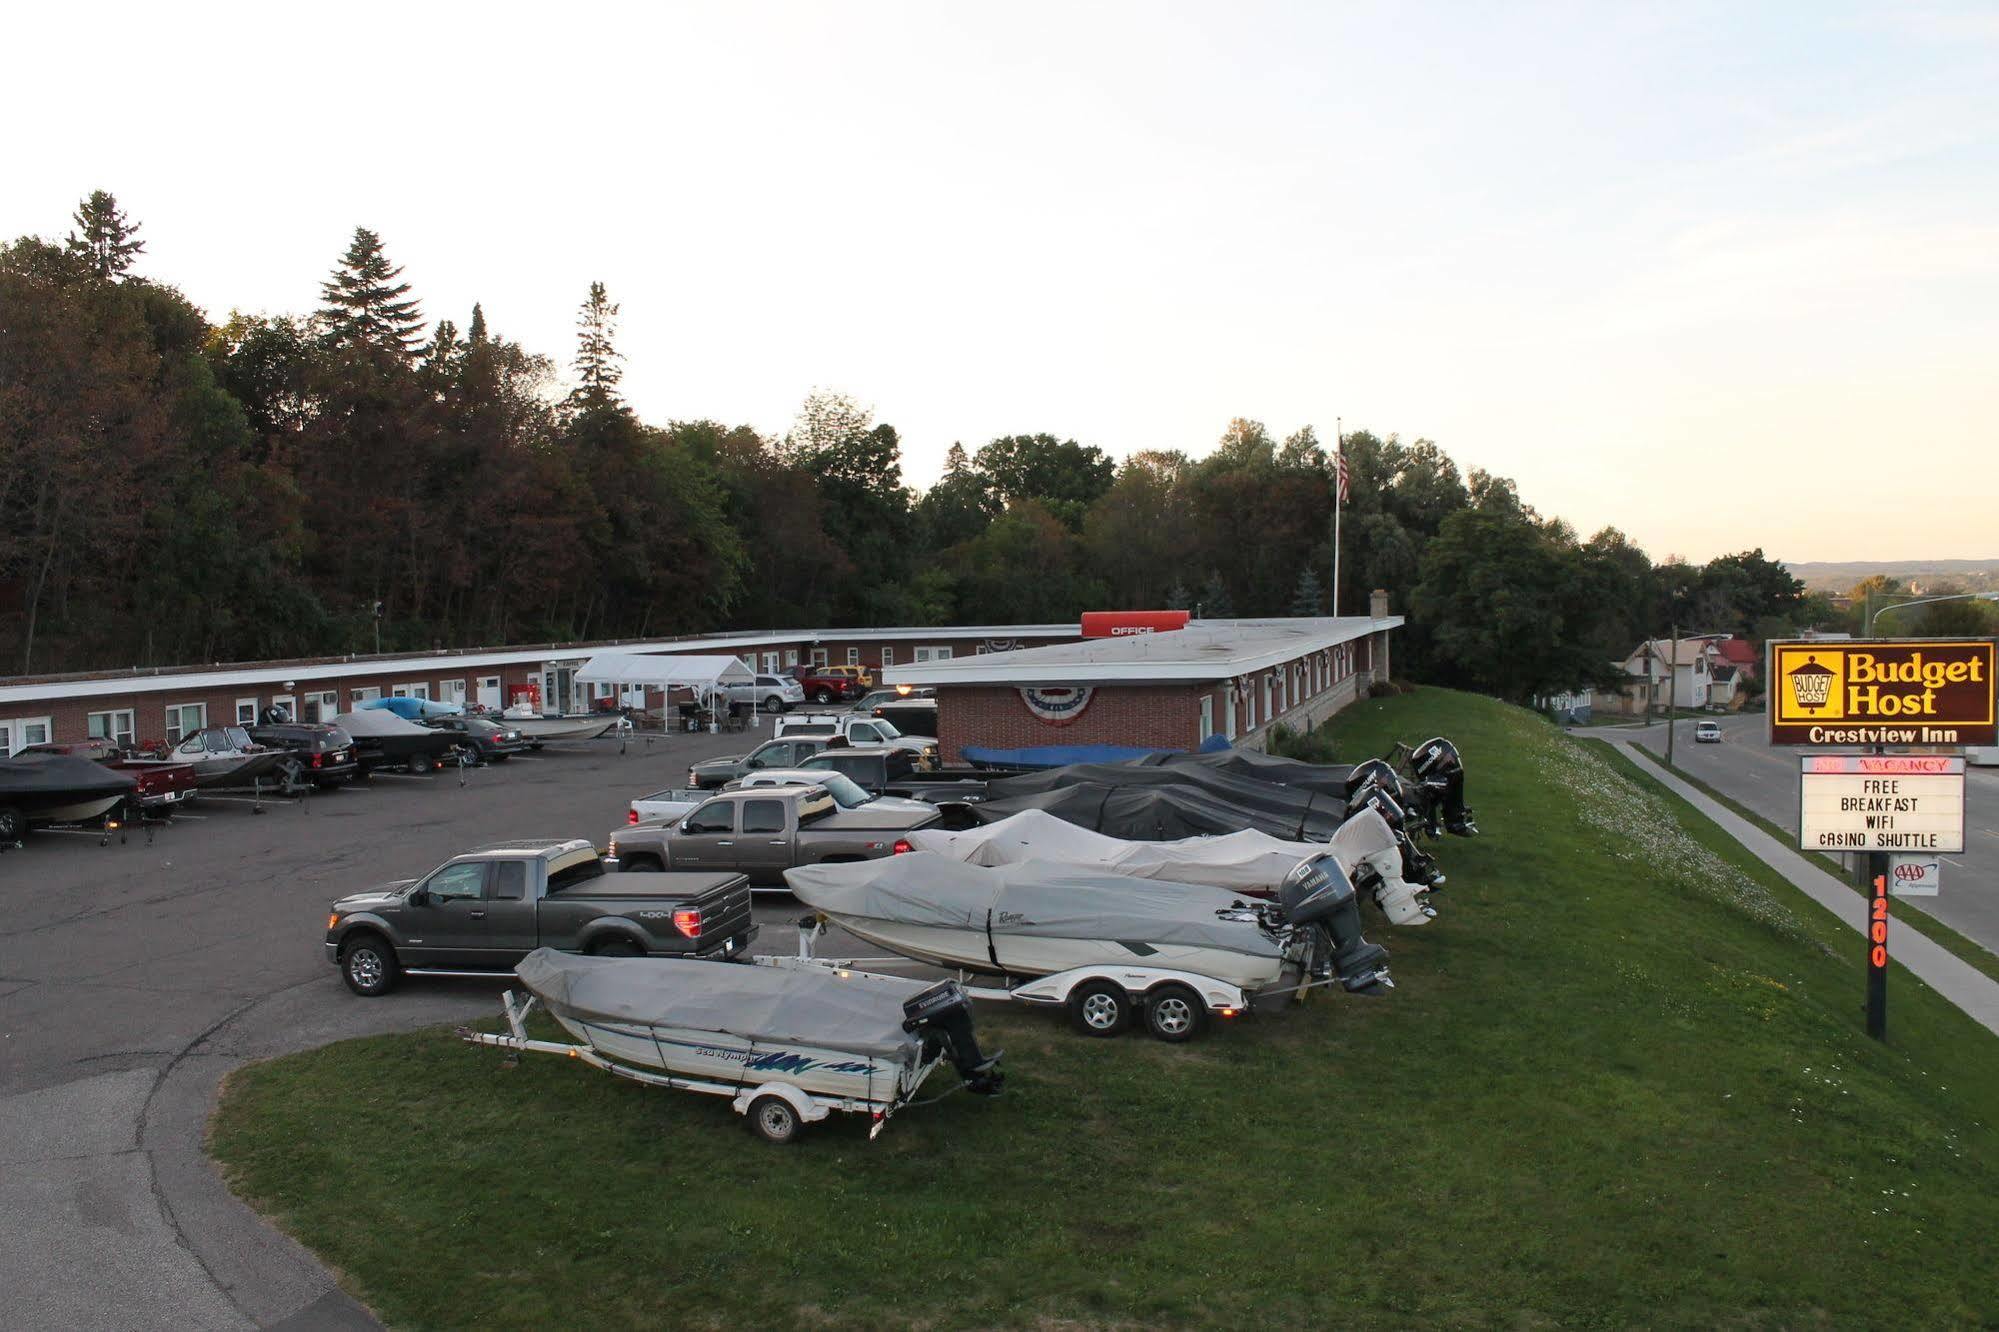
x=543 y=730
x=1041 y=955
x=80 y=811
x=712 y=1056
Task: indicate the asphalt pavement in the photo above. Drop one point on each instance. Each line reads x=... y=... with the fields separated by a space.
x=1764 y=778
x=134 y=977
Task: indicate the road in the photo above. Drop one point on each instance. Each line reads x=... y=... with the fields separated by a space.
x=1753 y=773
x=134 y=977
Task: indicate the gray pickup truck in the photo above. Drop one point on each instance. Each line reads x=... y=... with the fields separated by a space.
x=479 y=913
x=761 y=833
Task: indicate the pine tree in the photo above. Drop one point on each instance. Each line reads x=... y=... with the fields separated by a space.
x=597 y=358
x=1307 y=597
x=365 y=305
x=1179 y=598
x=1215 y=603
x=476 y=334
x=109 y=242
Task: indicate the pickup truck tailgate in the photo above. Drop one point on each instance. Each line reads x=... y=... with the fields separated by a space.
x=723 y=898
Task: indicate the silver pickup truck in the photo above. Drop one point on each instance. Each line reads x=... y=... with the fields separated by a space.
x=481 y=912
x=761 y=833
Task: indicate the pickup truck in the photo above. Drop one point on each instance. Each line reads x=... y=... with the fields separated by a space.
x=162 y=787
x=713 y=774
x=761 y=833
x=479 y=913
x=823 y=686
x=676 y=803
x=855 y=730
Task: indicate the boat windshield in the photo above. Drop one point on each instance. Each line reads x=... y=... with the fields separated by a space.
x=238 y=737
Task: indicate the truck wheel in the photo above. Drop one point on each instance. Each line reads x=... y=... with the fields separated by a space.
x=368 y=965
x=617 y=948
x=1099 y=1008
x=13 y=824
x=774 y=1119
x=822 y=695
x=642 y=864
x=1174 y=1013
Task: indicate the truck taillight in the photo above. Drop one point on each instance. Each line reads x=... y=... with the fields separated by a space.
x=902 y=847
x=688 y=921
x=318 y=760
x=631 y=816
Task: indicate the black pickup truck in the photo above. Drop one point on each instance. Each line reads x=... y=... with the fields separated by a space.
x=479 y=913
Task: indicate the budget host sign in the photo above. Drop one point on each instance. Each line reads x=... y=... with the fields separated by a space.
x=1878 y=691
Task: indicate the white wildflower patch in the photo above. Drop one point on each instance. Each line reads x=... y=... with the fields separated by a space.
x=1638 y=827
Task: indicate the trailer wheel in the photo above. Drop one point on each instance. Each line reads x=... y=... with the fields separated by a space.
x=774 y=1119
x=1099 y=1008
x=1175 y=1013
x=422 y=763
x=13 y=824
x=291 y=777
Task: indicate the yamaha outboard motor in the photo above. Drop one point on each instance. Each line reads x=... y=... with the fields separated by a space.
x=942 y=1016
x=1318 y=895
x=1436 y=762
x=1417 y=866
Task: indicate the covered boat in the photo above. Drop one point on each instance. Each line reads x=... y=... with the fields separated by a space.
x=56 y=788
x=1038 y=918
x=411 y=709
x=384 y=740
x=851 y=1040
x=1283 y=811
x=1246 y=861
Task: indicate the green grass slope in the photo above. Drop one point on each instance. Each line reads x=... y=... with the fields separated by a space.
x=1623 y=1081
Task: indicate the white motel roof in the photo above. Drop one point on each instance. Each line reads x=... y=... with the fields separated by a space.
x=274 y=674
x=1204 y=650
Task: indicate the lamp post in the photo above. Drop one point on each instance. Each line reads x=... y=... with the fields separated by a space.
x=1868 y=618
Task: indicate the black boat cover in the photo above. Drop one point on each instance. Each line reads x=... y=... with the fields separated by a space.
x=1324 y=778
x=1244 y=802
x=35 y=781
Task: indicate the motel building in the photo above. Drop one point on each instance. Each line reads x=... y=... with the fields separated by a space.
x=1149 y=684
x=1128 y=678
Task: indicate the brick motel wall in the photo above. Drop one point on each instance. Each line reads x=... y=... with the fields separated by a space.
x=1161 y=716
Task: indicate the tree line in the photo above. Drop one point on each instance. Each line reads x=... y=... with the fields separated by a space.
x=174 y=489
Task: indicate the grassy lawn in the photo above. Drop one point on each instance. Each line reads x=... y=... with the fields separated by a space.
x=1909 y=915
x=1623 y=1081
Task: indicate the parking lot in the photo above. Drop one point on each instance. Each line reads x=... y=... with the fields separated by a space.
x=134 y=976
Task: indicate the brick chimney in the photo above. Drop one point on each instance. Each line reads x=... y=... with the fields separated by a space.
x=1377 y=603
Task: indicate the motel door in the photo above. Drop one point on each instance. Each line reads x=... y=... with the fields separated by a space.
x=558 y=688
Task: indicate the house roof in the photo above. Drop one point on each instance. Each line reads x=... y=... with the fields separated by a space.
x=1204 y=650
x=1737 y=651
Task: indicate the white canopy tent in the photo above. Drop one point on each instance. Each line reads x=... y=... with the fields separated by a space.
x=649 y=670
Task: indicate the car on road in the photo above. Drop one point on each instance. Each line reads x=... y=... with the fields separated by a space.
x=481 y=912
x=763 y=832
x=1707 y=733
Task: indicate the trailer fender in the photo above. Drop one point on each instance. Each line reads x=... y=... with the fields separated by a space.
x=809 y=1109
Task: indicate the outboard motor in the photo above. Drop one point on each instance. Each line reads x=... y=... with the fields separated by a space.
x=1437 y=762
x=942 y=1016
x=1376 y=771
x=1318 y=895
x=1417 y=866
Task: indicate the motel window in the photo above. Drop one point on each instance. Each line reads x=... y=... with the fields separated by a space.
x=1228 y=711
x=853 y=656
x=246 y=712
x=770 y=663
x=185 y=719
x=1207 y=715
x=888 y=657
x=749 y=660
x=1266 y=696
x=17 y=733
x=120 y=727
x=819 y=657
x=924 y=654
x=791 y=656
x=327 y=703
x=364 y=695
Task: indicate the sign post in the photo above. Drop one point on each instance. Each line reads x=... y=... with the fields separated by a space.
x=1896 y=808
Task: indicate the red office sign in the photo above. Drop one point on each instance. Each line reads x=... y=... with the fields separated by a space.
x=1121 y=624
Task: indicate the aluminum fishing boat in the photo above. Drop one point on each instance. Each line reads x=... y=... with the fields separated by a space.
x=540 y=730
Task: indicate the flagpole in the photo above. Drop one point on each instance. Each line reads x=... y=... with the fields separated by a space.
x=1339 y=460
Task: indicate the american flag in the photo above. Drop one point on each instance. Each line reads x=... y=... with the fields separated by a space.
x=1340 y=469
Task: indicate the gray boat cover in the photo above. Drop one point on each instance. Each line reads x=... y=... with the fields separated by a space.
x=1151 y=814
x=1033 y=899
x=1244 y=862
x=1324 y=778
x=768 y=1005
x=41 y=779
x=376 y=723
x=1282 y=811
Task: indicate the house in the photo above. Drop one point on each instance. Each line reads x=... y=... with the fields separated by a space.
x=1681 y=670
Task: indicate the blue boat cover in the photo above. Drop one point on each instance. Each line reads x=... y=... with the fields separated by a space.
x=1056 y=756
x=413 y=709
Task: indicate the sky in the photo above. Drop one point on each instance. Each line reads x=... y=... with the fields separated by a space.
x=1722 y=276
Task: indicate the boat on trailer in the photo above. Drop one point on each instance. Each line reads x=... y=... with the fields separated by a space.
x=787 y=1046
x=539 y=730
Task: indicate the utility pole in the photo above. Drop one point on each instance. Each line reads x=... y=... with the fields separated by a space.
x=1672 y=688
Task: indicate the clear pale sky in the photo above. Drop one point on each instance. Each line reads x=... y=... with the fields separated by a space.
x=1721 y=275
